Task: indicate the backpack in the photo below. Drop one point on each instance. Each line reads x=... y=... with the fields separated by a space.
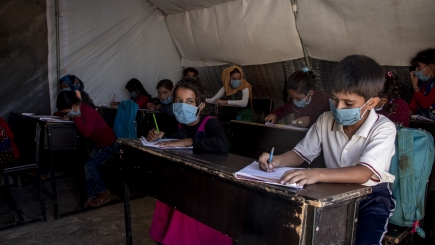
x=125 y=120
x=412 y=165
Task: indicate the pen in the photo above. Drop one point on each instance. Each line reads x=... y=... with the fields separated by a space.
x=113 y=97
x=271 y=154
x=155 y=121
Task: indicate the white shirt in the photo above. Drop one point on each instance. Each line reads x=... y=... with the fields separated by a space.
x=371 y=146
x=242 y=103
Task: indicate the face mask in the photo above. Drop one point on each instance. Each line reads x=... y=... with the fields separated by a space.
x=66 y=89
x=185 y=113
x=73 y=113
x=421 y=77
x=167 y=100
x=302 y=103
x=236 y=83
x=347 y=117
x=133 y=94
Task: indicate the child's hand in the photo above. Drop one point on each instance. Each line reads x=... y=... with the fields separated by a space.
x=414 y=81
x=78 y=94
x=113 y=103
x=300 y=177
x=177 y=143
x=153 y=135
x=302 y=121
x=264 y=164
x=65 y=117
x=221 y=102
x=270 y=118
x=151 y=106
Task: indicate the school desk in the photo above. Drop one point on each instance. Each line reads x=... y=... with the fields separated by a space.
x=202 y=186
x=52 y=136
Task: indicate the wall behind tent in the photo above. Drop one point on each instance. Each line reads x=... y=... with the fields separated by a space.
x=23 y=57
x=107 y=42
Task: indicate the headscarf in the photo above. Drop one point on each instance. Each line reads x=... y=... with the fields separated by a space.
x=226 y=77
x=73 y=82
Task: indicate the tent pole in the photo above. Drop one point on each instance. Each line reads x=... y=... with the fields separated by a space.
x=56 y=6
x=304 y=48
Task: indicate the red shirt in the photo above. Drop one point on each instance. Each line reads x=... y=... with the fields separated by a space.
x=93 y=126
x=319 y=103
x=419 y=99
x=10 y=135
x=141 y=101
x=397 y=112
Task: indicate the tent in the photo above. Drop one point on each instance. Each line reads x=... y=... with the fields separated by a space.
x=107 y=42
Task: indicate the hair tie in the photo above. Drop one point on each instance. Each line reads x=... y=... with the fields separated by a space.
x=390 y=74
x=305 y=69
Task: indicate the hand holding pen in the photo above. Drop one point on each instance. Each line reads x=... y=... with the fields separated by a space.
x=267 y=163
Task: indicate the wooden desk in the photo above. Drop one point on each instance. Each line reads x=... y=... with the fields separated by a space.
x=203 y=187
x=52 y=136
x=252 y=139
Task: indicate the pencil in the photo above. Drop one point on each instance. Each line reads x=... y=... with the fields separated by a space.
x=113 y=97
x=271 y=154
x=155 y=121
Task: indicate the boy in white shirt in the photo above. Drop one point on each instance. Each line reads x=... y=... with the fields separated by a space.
x=357 y=145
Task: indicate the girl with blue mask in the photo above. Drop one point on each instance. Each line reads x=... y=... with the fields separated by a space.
x=164 y=92
x=236 y=91
x=423 y=82
x=204 y=134
x=305 y=103
x=137 y=93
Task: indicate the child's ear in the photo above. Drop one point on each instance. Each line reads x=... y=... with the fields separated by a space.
x=373 y=102
x=384 y=100
x=202 y=106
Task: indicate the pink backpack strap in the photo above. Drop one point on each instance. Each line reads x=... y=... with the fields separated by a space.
x=202 y=126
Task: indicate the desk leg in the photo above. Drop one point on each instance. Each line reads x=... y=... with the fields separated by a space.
x=53 y=180
x=127 y=214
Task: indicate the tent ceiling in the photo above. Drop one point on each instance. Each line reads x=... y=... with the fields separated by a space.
x=178 y=6
x=243 y=32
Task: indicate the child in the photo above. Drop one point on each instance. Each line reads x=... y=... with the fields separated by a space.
x=390 y=105
x=306 y=103
x=166 y=118
x=8 y=149
x=205 y=134
x=90 y=124
x=190 y=72
x=423 y=80
x=357 y=145
x=73 y=83
x=137 y=93
x=237 y=91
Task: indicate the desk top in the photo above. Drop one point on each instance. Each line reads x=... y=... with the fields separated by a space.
x=224 y=165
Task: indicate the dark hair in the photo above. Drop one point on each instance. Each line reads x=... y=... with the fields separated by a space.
x=66 y=99
x=196 y=86
x=166 y=83
x=426 y=56
x=71 y=80
x=301 y=82
x=358 y=74
x=190 y=69
x=391 y=86
x=134 y=85
x=235 y=71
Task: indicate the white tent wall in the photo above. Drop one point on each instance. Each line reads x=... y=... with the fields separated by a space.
x=244 y=32
x=107 y=42
x=390 y=31
x=177 y=6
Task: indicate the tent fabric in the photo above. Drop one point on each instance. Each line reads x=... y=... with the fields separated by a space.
x=389 y=31
x=107 y=42
x=177 y=6
x=243 y=32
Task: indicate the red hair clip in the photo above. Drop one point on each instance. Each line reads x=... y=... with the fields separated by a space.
x=390 y=74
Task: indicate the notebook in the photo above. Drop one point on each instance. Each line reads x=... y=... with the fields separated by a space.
x=146 y=143
x=287 y=126
x=421 y=118
x=253 y=172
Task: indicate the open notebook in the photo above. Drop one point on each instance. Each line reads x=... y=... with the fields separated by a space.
x=253 y=172
x=146 y=143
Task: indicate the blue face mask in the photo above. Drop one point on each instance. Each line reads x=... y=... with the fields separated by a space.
x=347 y=117
x=66 y=89
x=185 y=113
x=236 y=83
x=133 y=94
x=302 y=103
x=167 y=100
x=73 y=113
x=421 y=77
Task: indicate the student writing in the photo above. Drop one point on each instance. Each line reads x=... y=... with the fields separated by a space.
x=357 y=145
x=390 y=104
x=305 y=102
x=236 y=91
x=137 y=93
x=205 y=134
x=91 y=125
x=423 y=81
